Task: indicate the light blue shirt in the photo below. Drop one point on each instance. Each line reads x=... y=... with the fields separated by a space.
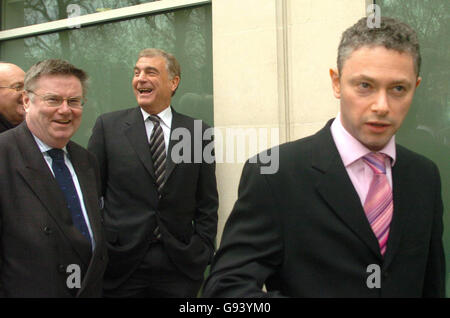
x=44 y=148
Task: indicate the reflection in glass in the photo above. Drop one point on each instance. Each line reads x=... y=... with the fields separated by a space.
x=29 y=12
x=108 y=53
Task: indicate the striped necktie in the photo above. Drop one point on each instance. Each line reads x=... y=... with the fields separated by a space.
x=158 y=151
x=379 y=204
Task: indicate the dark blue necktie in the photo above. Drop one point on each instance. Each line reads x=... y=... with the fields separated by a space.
x=64 y=179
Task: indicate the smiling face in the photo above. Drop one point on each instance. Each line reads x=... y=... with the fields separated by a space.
x=11 y=105
x=152 y=84
x=375 y=89
x=53 y=125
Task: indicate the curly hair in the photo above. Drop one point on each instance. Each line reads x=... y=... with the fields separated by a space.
x=392 y=34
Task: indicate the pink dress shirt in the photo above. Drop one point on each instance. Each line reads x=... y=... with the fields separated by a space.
x=352 y=151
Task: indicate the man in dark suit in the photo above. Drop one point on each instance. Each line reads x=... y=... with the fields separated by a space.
x=349 y=213
x=11 y=87
x=51 y=236
x=160 y=211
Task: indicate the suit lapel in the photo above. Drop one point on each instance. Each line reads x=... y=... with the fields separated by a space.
x=336 y=188
x=39 y=177
x=402 y=204
x=41 y=181
x=134 y=129
x=85 y=175
x=177 y=122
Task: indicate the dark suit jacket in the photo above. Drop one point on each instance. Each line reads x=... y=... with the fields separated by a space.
x=4 y=124
x=38 y=238
x=303 y=232
x=184 y=218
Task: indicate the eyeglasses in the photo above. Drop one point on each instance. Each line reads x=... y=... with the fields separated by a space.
x=16 y=87
x=56 y=101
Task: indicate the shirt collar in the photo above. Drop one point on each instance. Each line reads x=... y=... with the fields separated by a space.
x=165 y=116
x=43 y=147
x=350 y=149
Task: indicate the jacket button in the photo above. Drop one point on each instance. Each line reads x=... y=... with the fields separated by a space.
x=47 y=230
x=157 y=233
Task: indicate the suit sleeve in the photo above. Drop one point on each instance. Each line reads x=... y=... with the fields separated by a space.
x=251 y=248
x=96 y=146
x=207 y=204
x=434 y=285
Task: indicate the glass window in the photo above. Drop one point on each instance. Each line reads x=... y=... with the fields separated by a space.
x=109 y=51
x=19 y=13
x=427 y=127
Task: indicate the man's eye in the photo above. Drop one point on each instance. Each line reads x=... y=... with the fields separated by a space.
x=74 y=101
x=399 y=89
x=18 y=87
x=364 y=85
x=52 y=100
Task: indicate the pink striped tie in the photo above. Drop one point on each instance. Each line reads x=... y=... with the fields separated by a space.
x=379 y=204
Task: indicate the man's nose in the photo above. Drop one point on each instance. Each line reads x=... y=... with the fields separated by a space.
x=141 y=76
x=381 y=104
x=64 y=107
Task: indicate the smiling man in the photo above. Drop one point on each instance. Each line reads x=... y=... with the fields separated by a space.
x=51 y=235
x=160 y=216
x=349 y=213
x=12 y=112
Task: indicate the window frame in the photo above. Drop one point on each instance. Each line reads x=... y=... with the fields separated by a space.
x=99 y=17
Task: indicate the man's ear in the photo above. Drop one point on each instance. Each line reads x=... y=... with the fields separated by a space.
x=335 y=83
x=26 y=101
x=175 y=82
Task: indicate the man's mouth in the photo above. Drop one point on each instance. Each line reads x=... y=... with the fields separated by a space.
x=145 y=90
x=377 y=126
x=62 y=122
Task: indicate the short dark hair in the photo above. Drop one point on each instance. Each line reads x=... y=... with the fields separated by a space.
x=391 y=33
x=53 y=67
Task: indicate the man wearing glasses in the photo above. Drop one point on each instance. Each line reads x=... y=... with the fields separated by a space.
x=11 y=87
x=51 y=238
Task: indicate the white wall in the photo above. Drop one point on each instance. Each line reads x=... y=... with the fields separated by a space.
x=271 y=60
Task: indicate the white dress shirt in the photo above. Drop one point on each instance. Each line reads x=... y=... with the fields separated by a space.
x=166 y=124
